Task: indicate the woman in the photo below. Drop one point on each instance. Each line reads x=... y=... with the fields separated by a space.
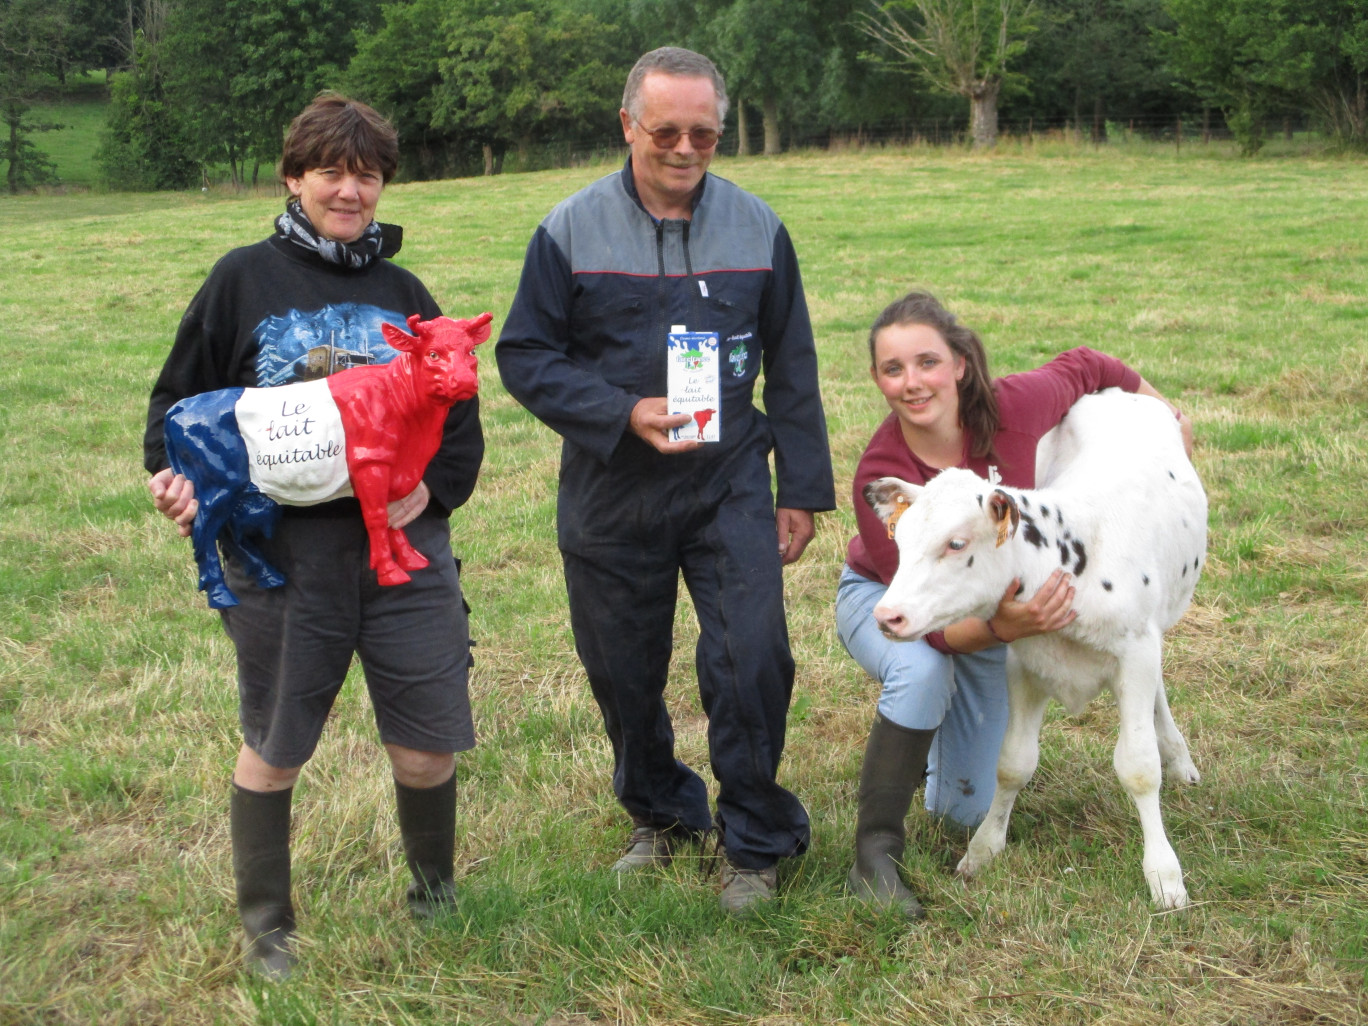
x=308 y=300
x=943 y=708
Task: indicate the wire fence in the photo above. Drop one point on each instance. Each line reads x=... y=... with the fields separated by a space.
x=1193 y=128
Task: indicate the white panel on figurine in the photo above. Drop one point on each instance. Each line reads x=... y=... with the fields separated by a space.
x=296 y=445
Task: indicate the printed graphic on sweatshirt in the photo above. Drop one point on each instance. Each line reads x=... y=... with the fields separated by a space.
x=305 y=345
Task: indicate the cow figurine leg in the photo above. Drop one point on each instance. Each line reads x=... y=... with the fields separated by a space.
x=255 y=515
x=371 y=483
x=204 y=444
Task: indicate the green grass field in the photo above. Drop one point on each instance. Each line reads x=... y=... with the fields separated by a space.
x=1237 y=287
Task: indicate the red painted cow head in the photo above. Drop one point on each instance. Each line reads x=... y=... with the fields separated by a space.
x=443 y=354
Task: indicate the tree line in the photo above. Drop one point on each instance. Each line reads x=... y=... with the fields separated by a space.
x=199 y=86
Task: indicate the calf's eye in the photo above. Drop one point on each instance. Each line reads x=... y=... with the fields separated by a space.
x=957 y=544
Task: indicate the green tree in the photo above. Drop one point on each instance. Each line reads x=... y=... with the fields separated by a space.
x=396 y=69
x=962 y=47
x=203 y=61
x=1253 y=57
x=519 y=74
x=743 y=38
x=1094 y=59
x=283 y=55
x=777 y=55
x=92 y=36
x=145 y=145
x=30 y=39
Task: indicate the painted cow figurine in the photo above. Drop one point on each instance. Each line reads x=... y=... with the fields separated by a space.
x=369 y=431
x=1120 y=507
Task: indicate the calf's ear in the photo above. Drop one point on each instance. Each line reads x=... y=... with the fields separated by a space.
x=889 y=497
x=1005 y=513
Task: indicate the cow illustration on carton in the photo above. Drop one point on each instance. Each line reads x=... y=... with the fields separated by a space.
x=368 y=431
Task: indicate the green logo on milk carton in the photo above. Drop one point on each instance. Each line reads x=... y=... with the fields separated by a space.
x=692 y=383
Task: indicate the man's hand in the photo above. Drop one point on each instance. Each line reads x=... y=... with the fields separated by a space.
x=403 y=511
x=795 y=531
x=1049 y=609
x=651 y=422
x=174 y=498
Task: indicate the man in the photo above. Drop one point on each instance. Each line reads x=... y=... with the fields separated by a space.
x=609 y=275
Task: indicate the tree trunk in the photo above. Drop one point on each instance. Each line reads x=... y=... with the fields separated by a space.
x=12 y=176
x=983 y=114
x=1099 y=132
x=770 y=107
x=742 y=130
x=488 y=159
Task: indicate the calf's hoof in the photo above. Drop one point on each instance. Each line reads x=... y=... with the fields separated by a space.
x=1184 y=772
x=1168 y=893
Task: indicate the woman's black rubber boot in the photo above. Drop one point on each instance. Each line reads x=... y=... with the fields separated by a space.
x=894 y=767
x=427 y=824
x=260 y=825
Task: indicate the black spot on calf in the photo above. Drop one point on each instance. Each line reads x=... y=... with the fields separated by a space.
x=1144 y=579
x=1082 y=557
x=1106 y=585
x=1032 y=535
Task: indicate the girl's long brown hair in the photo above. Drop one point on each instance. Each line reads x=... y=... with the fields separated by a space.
x=978 y=408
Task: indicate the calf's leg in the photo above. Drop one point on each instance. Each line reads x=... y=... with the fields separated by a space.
x=1138 y=766
x=1026 y=701
x=1173 y=749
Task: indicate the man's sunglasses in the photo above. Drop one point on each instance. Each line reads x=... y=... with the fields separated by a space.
x=668 y=138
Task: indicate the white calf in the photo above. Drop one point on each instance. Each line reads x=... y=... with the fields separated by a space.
x=1121 y=509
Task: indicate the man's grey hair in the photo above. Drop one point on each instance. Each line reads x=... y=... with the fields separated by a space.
x=673 y=60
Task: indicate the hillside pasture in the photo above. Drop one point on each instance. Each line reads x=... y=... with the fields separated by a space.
x=1237 y=287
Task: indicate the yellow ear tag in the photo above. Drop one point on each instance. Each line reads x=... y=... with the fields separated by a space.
x=901 y=506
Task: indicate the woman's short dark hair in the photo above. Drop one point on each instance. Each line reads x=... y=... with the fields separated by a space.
x=978 y=409
x=337 y=131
